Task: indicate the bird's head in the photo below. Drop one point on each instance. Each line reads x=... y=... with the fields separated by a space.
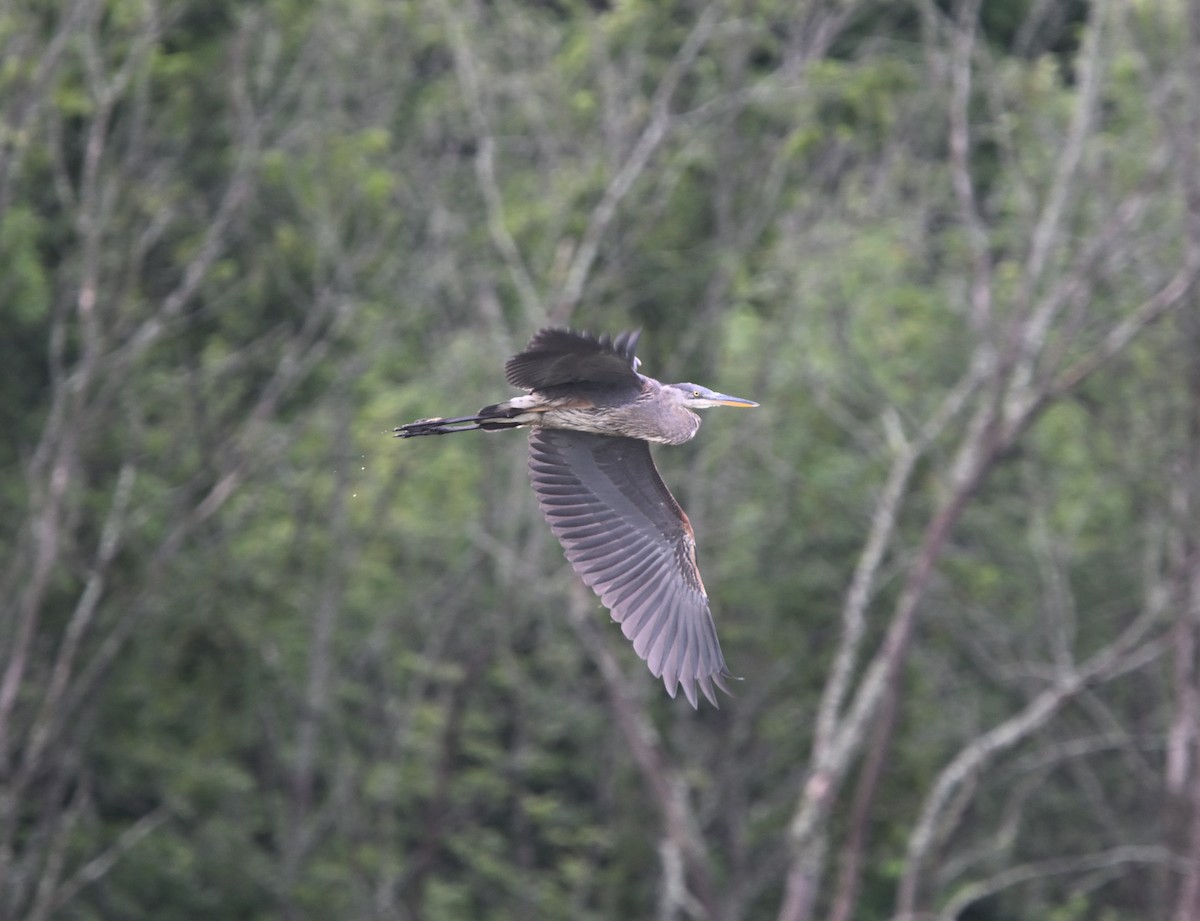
x=693 y=396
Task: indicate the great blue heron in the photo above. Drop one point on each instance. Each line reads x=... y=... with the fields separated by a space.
x=592 y=415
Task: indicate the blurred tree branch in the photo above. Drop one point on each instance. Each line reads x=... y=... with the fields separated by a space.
x=1003 y=411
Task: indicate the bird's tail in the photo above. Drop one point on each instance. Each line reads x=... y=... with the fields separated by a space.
x=490 y=418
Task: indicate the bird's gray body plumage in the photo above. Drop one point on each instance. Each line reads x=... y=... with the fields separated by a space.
x=592 y=384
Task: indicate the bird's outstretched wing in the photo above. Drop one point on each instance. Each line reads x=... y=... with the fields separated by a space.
x=628 y=539
x=555 y=357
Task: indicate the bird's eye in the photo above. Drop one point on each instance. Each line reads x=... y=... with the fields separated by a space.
x=696 y=394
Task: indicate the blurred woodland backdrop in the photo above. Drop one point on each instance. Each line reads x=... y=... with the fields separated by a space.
x=258 y=660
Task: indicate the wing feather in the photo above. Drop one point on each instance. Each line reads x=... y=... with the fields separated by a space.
x=628 y=539
x=558 y=357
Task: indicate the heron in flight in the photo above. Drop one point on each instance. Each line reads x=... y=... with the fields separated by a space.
x=592 y=417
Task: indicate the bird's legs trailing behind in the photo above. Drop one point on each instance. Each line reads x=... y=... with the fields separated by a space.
x=508 y=415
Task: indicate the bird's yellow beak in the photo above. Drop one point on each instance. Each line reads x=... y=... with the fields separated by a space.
x=726 y=400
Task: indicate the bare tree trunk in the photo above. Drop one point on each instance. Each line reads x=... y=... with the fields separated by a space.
x=686 y=889
x=853 y=852
x=1020 y=382
x=303 y=826
x=1182 y=780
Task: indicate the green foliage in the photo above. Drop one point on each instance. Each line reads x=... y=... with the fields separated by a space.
x=239 y=243
x=25 y=303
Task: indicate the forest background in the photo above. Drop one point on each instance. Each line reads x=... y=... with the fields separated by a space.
x=259 y=660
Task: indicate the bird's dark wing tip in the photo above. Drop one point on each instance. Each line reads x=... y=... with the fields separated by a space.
x=706 y=683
